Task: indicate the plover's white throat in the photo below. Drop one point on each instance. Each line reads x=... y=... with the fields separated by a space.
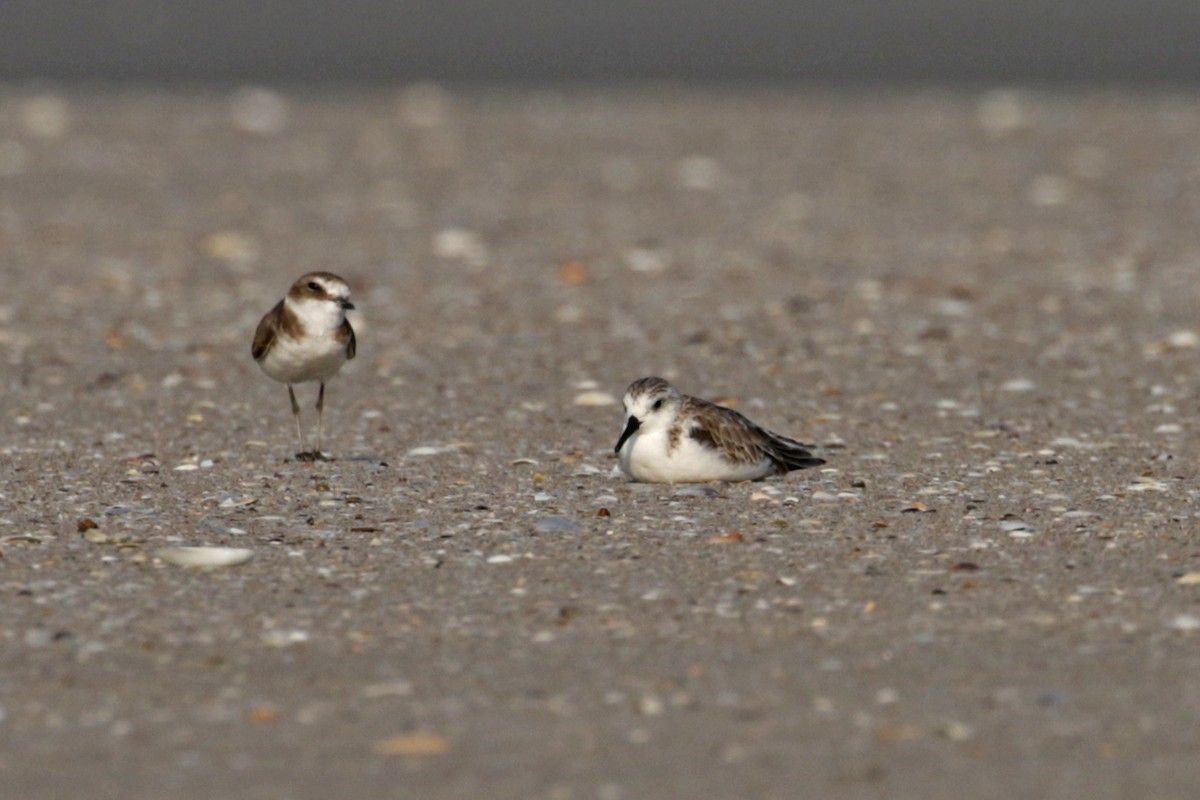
x=670 y=437
x=306 y=337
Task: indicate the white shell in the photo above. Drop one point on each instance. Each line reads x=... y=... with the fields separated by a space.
x=205 y=556
x=595 y=398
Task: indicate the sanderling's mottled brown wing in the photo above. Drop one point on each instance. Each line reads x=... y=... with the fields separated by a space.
x=264 y=335
x=737 y=439
x=790 y=453
x=743 y=442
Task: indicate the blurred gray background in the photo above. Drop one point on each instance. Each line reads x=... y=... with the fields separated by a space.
x=540 y=40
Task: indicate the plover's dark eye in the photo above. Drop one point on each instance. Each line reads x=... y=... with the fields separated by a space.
x=658 y=404
x=313 y=285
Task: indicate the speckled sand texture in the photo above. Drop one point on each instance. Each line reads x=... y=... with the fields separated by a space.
x=981 y=306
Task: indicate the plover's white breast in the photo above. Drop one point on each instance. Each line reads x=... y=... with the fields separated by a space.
x=313 y=353
x=304 y=358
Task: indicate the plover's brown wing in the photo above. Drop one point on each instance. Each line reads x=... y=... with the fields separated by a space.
x=345 y=333
x=267 y=331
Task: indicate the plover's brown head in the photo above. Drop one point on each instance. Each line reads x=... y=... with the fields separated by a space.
x=321 y=287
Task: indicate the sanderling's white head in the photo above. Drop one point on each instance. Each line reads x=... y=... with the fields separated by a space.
x=650 y=406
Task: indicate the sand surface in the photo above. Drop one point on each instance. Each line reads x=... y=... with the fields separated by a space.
x=980 y=306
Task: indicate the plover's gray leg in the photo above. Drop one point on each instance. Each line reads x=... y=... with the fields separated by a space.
x=302 y=455
x=317 y=455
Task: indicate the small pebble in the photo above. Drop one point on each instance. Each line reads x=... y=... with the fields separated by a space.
x=646 y=260
x=594 y=398
x=556 y=525
x=1018 y=385
x=1049 y=190
x=1144 y=484
x=280 y=638
x=572 y=273
x=428 y=450
x=22 y=538
x=568 y=314
x=952 y=307
x=460 y=244
x=38 y=637
x=1183 y=340
x=232 y=247
x=1000 y=112
x=236 y=501
x=698 y=173
x=651 y=705
x=45 y=117
x=956 y=731
x=257 y=111
x=398 y=688
x=425 y=105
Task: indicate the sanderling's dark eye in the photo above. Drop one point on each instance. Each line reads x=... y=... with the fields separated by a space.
x=658 y=404
x=313 y=285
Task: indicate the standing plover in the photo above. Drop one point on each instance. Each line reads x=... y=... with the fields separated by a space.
x=306 y=337
x=670 y=437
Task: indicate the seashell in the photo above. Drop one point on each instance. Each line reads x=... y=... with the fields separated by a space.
x=205 y=556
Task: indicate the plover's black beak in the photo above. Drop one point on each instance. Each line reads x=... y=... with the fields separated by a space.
x=345 y=304
x=630 y=429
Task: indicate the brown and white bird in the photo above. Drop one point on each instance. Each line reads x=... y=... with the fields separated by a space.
x=670 y=437
x=306 y=337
